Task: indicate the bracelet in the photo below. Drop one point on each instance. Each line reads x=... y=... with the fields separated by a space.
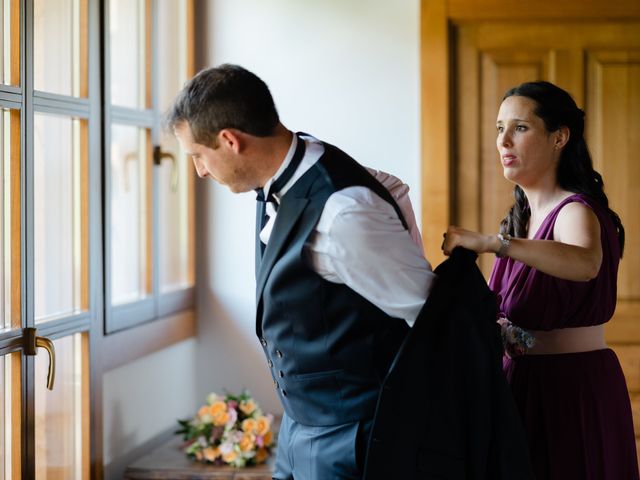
x=505 y=241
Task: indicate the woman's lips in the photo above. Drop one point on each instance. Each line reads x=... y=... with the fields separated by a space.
x=508 y=160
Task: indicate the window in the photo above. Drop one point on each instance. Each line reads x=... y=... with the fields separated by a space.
x=149 y=181
x=46 y=121
x=78 y=259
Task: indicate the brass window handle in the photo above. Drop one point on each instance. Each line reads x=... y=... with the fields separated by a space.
x=31 y=344
x=158 y=156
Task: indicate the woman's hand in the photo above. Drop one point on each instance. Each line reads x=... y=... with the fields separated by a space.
x=478 y=242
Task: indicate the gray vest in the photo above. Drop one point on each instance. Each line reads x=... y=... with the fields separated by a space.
x=328 y=349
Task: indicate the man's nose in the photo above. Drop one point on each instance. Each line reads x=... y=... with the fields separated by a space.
x=200 y=170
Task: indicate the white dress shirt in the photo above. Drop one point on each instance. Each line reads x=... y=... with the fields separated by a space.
x=360 y=241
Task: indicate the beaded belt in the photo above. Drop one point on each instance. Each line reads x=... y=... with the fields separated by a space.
x=518 y=341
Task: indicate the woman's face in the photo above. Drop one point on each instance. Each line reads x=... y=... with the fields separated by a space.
x=528 y=152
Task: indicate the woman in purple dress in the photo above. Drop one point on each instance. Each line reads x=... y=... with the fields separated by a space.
x=555 y=279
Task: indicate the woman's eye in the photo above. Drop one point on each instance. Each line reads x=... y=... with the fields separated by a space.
x=500 y=128
x=521 y=128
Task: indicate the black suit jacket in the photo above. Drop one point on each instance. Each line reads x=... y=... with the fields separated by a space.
x=445 y=410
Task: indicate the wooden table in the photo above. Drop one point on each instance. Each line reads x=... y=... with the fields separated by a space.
x=169 y=462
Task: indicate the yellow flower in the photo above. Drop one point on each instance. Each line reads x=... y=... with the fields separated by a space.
x=247 y=442
x=211 y=453
x=262 y=425
x=261 y=455
x=220 y=419
x=217 y=407
x=268 y=438
x=249 y=425
x=230 y=457
x=247 y=406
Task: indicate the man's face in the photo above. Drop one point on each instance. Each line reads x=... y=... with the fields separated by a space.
x=219 y=162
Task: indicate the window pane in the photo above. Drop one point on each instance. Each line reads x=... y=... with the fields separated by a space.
x=174 y=221
x=57 y=219
x=10 y=159
x=61 y=414
x=128 y=38
x=10 y=411
x=173 y=64
x=10 y=42
x=59 y=51
x=175 y=186
x=130 y=236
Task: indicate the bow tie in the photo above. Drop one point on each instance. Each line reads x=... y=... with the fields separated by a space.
x=279 y=183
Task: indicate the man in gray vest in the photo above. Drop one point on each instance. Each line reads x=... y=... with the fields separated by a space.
x=340 y=272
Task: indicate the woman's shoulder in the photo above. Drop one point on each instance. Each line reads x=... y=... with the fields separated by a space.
x=576 y=213
x=579 y=204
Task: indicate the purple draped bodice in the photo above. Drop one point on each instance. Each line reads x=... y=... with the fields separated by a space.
x=537 y=301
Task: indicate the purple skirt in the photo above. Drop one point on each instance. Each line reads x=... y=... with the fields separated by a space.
x=576 y=414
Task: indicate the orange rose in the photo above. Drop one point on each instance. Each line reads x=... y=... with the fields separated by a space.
x=262 y=425
x=217 y=407
x=268 y=438
x=211 y=453
x=230 y=457
x=247 y=406
x=220 y=419
x=203 y=411
x=247 y=442
x=249 y=425
x=261 y=455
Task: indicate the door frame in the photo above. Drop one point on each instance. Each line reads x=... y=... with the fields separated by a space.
x=437 y=19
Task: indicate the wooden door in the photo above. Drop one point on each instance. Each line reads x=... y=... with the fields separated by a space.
x=599 y=64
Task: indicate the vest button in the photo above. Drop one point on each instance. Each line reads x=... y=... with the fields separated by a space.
x=278 y=354
x=263 y=342
x=270 y=363
x=281 y=374
x=275 y=382
x=284 y=393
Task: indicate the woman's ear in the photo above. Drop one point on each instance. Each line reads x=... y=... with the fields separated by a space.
x=562 y=137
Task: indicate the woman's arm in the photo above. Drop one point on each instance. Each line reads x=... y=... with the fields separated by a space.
x=575 y=254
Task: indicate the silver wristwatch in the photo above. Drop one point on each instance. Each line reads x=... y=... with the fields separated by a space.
x=505 y=241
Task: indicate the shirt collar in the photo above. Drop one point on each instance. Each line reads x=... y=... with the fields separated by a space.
x=283 y=166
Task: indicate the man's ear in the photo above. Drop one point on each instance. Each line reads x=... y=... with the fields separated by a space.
x=232 y=139
x=562 y=137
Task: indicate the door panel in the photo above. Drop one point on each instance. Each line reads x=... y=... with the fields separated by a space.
x=62 y=415
x=613 y=95
x=599 y=64
x=10 y=416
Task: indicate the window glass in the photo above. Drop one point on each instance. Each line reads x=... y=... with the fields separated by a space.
x=130 y=236
x=59 y=57
x=128 y=33
x=57 y=222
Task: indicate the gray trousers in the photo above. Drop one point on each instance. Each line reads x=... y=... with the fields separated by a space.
x=321 y=453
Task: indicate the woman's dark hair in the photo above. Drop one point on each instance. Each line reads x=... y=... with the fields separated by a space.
x=575 y=171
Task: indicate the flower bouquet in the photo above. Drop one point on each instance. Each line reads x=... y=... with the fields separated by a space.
x=228 y=430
